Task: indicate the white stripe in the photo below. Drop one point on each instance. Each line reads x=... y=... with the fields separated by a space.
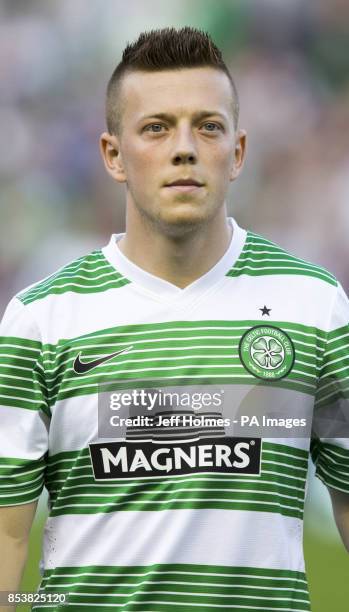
x=14 y=366
x=335 y=372
x=16 y=356
x=280 y=474
x=153 y=592
x=172 y=603
x=18 y=485
x=37 y=469
x=304 y=374
x=23 y=433
x=21 y=502
x=16 y=397
x=311 y=356
x=339 y=390
x=181 y=572
x=211 y=537
x=20 y=390
x=333 y=486
x=305 y=363
x=336 y=340
x=175 y=480
x=342 y=481
x=141 y=478
x=281 y=463
x=171 y=501
x=332 y=451
x=311 y=345
x=18 y=493
x=341 y=358
x=191 y=490
x=188 y=584
x=283 y=453
x=343 y=347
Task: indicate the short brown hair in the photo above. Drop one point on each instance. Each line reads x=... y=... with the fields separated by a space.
x=164 y=49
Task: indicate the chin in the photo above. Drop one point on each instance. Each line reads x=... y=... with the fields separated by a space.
x=183 y=219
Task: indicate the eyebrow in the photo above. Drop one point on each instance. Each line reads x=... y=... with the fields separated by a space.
x=197 y=116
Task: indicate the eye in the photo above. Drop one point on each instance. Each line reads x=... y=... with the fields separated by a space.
x=154 y=127
x=211 y=127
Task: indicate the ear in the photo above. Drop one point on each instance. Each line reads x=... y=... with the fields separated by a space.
x=239 y=155
x=109 y=145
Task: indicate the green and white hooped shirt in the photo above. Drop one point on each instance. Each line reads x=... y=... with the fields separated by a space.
x=172 y=427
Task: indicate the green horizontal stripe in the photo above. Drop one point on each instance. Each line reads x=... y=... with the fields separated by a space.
x=19 y=368
x=176 y=505
x=181 y=586
x=24 y=498
x=215 y=485
x=28 y=348
x=273 y=271
x=188 y=571
x=145 y=499
x=88 y=274
x=162 y=369
x=332 y=482
x=254 y=262
x=83 y=494
x=335 y=333
x=75 y=289
x=83 y=477
x=337 y=452
x=179 y=341
x=182 y=349
x=180 y=328
x=148 y=380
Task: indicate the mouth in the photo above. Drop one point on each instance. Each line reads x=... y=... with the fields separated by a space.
x=184 y=185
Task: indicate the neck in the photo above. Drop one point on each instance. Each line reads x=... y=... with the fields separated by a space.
x=178 y=260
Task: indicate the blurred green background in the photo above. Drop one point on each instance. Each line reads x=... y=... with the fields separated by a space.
x=290 y=63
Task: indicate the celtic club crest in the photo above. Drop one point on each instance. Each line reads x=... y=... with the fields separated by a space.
x=267 y=352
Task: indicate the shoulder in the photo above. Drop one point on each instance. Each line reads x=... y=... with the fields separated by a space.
x=87 y=274
x=261 y=256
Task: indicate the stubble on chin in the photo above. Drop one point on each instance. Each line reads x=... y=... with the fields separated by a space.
x=176 y=221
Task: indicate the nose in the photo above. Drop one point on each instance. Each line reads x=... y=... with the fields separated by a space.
x=184 y=149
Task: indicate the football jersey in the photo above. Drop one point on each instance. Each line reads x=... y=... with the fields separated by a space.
x=172 y=428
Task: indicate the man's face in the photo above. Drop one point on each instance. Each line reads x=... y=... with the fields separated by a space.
x=178 y=127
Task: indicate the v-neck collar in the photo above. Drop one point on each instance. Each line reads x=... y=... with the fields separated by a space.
x=164 y=290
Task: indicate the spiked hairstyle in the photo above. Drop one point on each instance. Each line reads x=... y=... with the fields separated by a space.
x=165 y=49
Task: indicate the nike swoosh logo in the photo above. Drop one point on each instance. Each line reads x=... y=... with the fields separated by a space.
x=81 y=367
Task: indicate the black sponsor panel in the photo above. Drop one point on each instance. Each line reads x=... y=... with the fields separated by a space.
x=130 y=459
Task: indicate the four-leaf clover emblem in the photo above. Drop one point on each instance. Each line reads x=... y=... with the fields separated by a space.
x=267 y=352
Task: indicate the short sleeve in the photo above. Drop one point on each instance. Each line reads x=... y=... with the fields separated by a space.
x=330 y=442
x=24 y=415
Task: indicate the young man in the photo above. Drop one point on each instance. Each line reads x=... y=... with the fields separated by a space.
x=163 y=388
